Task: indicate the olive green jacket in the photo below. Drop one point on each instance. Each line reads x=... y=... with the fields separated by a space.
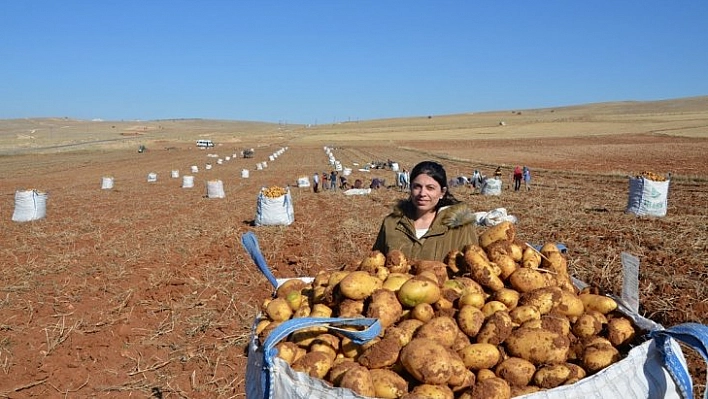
x=452 y=229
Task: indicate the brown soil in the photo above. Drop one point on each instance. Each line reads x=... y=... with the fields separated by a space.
x=145 y=290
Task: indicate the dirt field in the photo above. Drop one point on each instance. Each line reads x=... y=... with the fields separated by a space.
x=144 y=290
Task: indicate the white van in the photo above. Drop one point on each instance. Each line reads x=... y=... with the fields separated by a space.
x=205 y=143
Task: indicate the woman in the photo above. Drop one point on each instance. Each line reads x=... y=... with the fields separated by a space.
x=431 y=222
x=527 y=178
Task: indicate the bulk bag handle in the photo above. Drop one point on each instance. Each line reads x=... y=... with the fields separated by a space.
x=693 y=335
x=372 y=328
x=250 y=242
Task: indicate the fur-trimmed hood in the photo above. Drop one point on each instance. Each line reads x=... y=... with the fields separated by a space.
x=451 y=216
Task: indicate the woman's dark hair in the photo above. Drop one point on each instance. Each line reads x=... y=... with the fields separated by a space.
x=437 y=172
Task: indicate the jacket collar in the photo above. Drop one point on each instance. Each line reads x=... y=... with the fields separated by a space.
x=450 y=217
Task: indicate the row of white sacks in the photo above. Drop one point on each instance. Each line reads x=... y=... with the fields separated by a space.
x=32 y=204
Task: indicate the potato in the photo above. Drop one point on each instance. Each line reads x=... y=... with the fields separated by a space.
x=338 y=369
x=552 y=375
x=423 y=312
x=598 y=356
x=479 y=356
x=315 y=364
x=620 y=331
x=394 y=281
x=507 y=296
x=491 y=388
x=526 y=280
x=404 y=330
x=382 y=354
x=524 y=313
x=359 y=380
x=481 y=270
x=444 y=307
x=495 y=329
x=427 y=361
x=388 y=384
x=289 y=286
x=295 y=299
x=530 y=258
x=359 y=285
x=586 y=326
x=485 y=374
x=492 y=307
x=396 y=262
x=438 y=268
x=327 y=344
x=430 y=391
x=287 y=351
x=350 y=308
x=538 y=345
x=470 y=320
x=385 y=307
x=373 y=261
x=569 y=305
x=544 y=299
x=305 y=336
x=502 y=231
x=418 y=290
x=461 y=377
x=320 y=310
x=278 y=310
x=475 y=299
x=442 y=329
x=599 y=303
x=516 y=371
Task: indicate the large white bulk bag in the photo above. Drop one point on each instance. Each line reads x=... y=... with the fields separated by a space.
x=648 y=197
x=152 y=177
x=491 y=187
x=215 y=189
x=195 y=169
x=174 y=174
x=303 y=181
x=244 y=173
x=187 y=181
x=276 y=211
x=106 y=183
x=394 y=166
x=29 y=205
x=655 y=369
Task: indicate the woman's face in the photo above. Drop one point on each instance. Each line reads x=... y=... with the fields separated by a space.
x=425 y=193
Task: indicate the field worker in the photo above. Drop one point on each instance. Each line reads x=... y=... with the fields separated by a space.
x=527 y=178
x=325 y=183
x=498 y=173
x=315 y=182
x=333 y=181
x=430 y=222
x=518 y=175
x=476 y=180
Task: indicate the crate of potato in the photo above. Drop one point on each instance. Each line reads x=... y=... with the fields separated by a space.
x=496 y=320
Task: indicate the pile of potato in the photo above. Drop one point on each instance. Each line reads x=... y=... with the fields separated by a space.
x=651 y=176
x=495 y=320
x=274 y=191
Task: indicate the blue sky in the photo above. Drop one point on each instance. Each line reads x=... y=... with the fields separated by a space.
x=327 y=61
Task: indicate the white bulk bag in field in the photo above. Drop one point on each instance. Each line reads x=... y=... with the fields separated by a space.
x=174 y=174
x=106 y=183
x=152 y=177
x=215 y=189
x=648 y=197
x=29 y=205
x=244 y=173
x=207 y=166
x=491 y=187
x=277 y=211
x=655 y=369
x=187 y=181
x=303 y=181
x=194 y=169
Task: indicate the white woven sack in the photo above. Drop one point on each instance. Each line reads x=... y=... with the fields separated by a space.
x=491 y=187
x=647 y=197
x=29 y=205
x=215 y=189
x=303 y=182
x=274 y=211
